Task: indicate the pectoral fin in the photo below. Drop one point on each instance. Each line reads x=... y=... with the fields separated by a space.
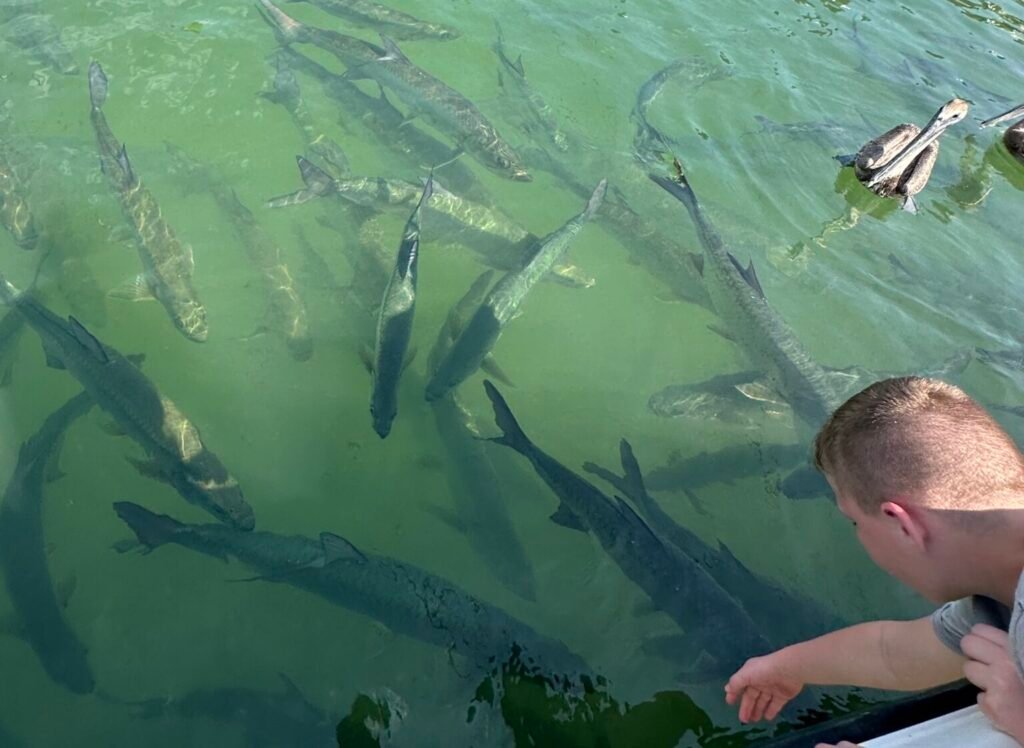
x=134 y=290
x=336 y=548
x=564 y=516
x=53 y=357
x=149 y=469
x=490 y=366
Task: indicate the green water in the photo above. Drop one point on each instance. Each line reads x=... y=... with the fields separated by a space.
x=298 y=435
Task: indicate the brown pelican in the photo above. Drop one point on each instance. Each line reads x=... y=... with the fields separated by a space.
x=1014 y=136
x=899 y=162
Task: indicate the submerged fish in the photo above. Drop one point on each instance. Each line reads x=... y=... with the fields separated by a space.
x=167 y=265
x=740 y=399
x=286 y=313
x=786 y=616
x=724 y=466
x=812 y=390
x=394 y=322
x=287 y=93
x=381 y=18
x=497 y=239
x=15 y=213
x=440 y=105
x=23 y=554
x=480 y=502
x=268 y=720
x=177 y=453
x=720 y=634
x=484 y=328
x=11 y=326
x=389 y=126
x=38 y=35
x=406 y=599
x=535 y=107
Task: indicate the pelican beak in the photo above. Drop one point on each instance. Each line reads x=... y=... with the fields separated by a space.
x=1015 y=112
x=949 y=114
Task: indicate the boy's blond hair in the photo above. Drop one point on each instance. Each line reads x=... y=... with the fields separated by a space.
x=921 y=440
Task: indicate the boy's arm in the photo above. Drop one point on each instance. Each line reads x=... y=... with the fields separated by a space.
x=894 y=655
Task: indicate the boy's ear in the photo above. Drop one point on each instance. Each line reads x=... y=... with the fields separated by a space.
x=909 y=520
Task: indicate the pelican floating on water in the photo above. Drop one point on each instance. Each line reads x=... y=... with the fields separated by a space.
x=899 y=162
x=1014 y=136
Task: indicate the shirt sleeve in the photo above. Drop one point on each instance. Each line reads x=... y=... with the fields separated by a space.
x=953 y=621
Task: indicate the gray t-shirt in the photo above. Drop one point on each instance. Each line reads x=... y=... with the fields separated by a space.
x=954 y=620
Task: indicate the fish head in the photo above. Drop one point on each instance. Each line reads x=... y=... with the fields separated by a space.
x=383 y=417
x=207 y=483
x=507 y=162
x=191 y=320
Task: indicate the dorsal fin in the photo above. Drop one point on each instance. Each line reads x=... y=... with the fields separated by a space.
x=87 y=341
x=392 y=49
x=747 y=273
x=122 y=159
x=336 y=548
x=518 y=66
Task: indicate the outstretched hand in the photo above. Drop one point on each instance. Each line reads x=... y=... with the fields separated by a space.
x=762 y=687
x=991 y=668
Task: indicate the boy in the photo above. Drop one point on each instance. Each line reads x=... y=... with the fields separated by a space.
x=935 y=489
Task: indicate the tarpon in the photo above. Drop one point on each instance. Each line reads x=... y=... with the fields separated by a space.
x=286 y=314
x=39 y=36
x=484 y=328
x=167 y=264
x=381 y=18
x=286 y=92
x=535 y=107
x=720 y=634
x=740 y=399
x=268 y=720
x=499 y=241
x=394 y=322
x=389 y=126
x=15 y=213
x=724 y=466
x=785 y=616
x=405 y=598
x=23 y=555
x=176 y=451
x=480 y=502
x=440 y=105
x=769 y=343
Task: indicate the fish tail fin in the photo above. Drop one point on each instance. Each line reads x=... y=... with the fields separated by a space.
x=97 y=85
x=595 y=199
x=151 y=529
x=512 y=434
x=8 y=293
x=679 y=187
x=285 y=27
x=633 y=479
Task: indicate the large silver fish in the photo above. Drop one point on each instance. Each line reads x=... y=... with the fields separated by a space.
x=405 y=598
x=286 y=314
x=484 y=328
x=394 y=322
x=439 y=104
x=167 y=265
x=386 y=20
x=176 y=451
x=720 y=634
x=23 y=556
x=498 y=240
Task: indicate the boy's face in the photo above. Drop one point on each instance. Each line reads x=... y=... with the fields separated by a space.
x=891 y=547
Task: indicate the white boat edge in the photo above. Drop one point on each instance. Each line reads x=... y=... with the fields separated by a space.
x=965 y=727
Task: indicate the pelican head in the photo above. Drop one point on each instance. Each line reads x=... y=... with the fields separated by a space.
x=949 y=114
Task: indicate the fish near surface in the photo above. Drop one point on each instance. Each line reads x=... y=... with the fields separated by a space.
x=167 y=265
x=384 y=19
x=496 y=238
x=23 y=555
x=440 y=105
x=394 y=322
x=405 y=598
x=719 y=633
x=177 y=454
x=484 y=328
x=286 y=313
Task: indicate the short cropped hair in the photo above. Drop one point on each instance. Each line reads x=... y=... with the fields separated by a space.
x=911 y=438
